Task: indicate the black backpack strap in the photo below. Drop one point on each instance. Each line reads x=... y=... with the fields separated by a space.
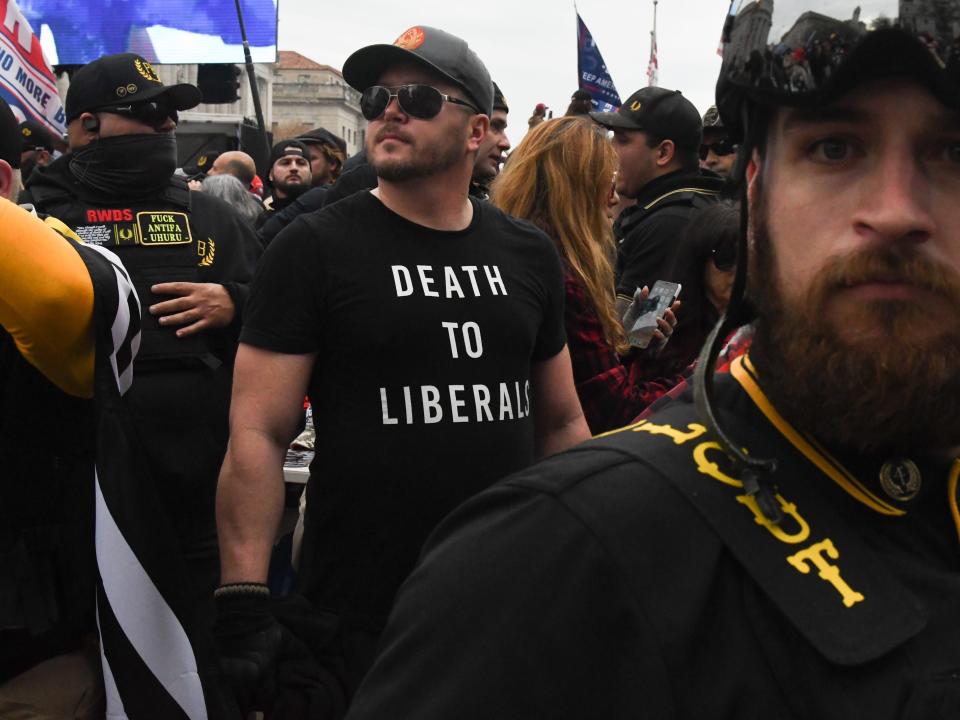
x=177 y=192
x=813 y=566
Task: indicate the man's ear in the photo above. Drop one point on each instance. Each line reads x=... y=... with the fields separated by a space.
x=6 y=179
x=83 y=130
x=666 y=152
x=478 y=127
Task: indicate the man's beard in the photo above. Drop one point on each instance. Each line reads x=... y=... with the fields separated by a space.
x=425 y=161
x=871 y=387
x=292 y=190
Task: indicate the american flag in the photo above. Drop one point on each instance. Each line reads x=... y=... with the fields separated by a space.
x=653 y=66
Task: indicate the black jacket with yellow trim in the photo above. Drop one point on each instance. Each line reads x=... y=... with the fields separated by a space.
x=649 y=238
x=631 y=577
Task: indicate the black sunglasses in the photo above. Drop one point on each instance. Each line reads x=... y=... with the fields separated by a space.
x=151 y=112
x=724 y=254
x=721 y=148
x=419 y=101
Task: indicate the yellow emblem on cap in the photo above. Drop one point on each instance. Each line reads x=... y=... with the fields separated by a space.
x=636 y=105
x=146 y=70
x=201 y=161
x=27 y=132
x=121 y=91
x=411 y=39
x=132 y=88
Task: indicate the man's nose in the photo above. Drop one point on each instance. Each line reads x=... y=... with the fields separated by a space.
x=895 y=204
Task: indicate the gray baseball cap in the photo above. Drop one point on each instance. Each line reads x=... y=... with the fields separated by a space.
x=434 y=49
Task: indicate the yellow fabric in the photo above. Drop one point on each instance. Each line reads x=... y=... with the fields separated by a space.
x=46 y=300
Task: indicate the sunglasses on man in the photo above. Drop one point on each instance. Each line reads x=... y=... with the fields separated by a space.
x=719 y=148
x=419 y=101
x=151 y=112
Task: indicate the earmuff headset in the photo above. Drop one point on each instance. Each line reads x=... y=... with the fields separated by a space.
x=91 y=124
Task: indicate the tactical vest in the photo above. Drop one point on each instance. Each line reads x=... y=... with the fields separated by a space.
x=155 y=241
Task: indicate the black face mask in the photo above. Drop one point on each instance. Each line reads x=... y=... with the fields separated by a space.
x=128 y=166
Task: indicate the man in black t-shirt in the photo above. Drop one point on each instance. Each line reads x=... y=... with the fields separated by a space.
x=427 y=329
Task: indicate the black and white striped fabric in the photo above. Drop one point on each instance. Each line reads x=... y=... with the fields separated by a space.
x=155 y=655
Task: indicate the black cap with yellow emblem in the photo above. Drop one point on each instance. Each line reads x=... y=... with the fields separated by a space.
x=665 y=113
x=123 y=79
x=35 y=136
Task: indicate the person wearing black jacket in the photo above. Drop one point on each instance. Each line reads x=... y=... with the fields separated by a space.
x=190 y=257
x=656 y=134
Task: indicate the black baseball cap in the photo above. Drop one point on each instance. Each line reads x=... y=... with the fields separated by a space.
x=322 y=136
x=121 y=79
x=435 y=50
x=35 y=136
x=289 y=147
x=661 y=112
x=9 y=136
x=499 y=101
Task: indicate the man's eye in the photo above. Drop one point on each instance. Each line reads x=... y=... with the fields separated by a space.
x=953 y=152
x=831 y=150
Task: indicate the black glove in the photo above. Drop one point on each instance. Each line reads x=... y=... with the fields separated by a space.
x=248 y=641
x=310 y=667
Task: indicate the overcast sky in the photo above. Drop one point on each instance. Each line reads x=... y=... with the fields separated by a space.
x=529 y=46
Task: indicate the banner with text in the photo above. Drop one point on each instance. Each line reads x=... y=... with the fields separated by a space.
x=27 y=82
x=593 y=75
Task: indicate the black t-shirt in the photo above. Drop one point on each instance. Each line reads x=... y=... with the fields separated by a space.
x=421 y=388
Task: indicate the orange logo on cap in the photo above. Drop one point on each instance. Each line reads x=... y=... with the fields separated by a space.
x=411 y=39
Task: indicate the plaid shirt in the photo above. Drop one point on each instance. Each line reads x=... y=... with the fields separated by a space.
x=612 y=390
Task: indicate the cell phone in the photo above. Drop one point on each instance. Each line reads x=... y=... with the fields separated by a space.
x=661 y=297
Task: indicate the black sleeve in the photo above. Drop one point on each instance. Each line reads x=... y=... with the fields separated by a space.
x=646 y=254
x=552 y=333
x=234 y=255
x=515 y=611
x=284 y=310
x=274 y=222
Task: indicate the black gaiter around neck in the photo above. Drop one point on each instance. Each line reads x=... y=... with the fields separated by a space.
x=127 y=166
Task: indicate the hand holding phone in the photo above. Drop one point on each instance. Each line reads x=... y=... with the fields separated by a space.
x=640 y=320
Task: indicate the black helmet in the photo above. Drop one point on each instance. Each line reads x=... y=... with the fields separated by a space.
x=805 y=53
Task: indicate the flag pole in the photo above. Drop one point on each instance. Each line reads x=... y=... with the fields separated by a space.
x=252 y=77
x=653 y=65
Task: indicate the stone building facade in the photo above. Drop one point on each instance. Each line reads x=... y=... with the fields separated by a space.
x=307 y=94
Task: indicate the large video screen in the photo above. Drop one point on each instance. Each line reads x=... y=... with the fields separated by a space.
x=74 y=32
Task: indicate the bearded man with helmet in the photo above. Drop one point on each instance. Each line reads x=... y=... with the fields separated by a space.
x=781 y=539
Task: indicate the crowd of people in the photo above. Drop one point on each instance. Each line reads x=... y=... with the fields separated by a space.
x=516 y=507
